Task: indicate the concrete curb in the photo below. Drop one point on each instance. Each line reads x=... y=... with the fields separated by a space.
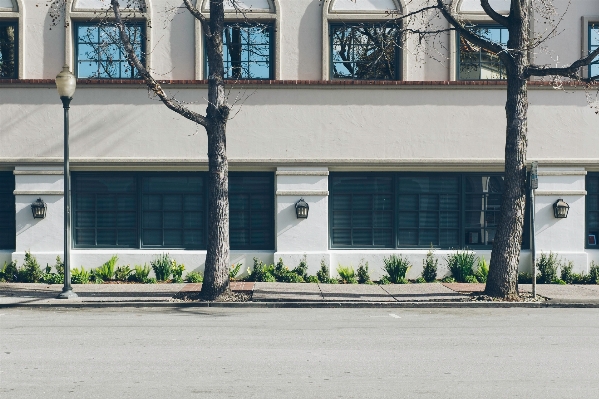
x=307 y=305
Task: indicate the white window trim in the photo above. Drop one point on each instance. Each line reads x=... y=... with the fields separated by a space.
x=586 y=21
x=73 y=14
x=259 y=16
x=17 y=13
x=331 y=16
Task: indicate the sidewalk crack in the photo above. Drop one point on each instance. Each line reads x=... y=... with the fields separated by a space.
x=320 y=290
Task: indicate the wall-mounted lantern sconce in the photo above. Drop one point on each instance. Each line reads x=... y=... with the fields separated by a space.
x=301 y=209
x=38 y=208
x=560 y=209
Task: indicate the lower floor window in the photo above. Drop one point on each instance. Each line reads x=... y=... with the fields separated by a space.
x=392 y=210
x=592 y=205
x=168 y=210
x=7 y=210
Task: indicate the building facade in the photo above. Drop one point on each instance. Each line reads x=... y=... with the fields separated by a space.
x=396 y=144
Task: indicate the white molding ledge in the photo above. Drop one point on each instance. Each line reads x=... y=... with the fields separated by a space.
x=303 y=193
x=563 y=173
x=560 y=192
x=38 y=192
x=37 y=172
x=302 y=172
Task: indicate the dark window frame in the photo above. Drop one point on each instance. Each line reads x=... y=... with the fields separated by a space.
x=396 y=210
x=270 y=24
x=8 y=207
x=398 y=56
x=143 y=39
x=459 y=55
x=588 y=211
x=139 y=177
x=15 y=24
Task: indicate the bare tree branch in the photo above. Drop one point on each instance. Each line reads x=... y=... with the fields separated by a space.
x=199 y=16
x=500 y=19
x=474 y=38
x=150 y=81
x=569 y=71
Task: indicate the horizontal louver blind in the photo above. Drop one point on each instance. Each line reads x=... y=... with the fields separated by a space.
x=362 y=211
x=7 y=211
x=592 y=203
x=173 y=211
x=251 y=208
x=105 y=210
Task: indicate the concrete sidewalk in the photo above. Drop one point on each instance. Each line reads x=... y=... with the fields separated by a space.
x=291 y=295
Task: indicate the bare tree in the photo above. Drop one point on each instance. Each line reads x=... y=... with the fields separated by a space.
x=216 y=273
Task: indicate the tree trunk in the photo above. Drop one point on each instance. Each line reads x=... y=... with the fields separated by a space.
x=216 y=270
x=505 y=257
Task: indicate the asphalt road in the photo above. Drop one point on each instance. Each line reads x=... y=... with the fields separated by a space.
x=299 y=353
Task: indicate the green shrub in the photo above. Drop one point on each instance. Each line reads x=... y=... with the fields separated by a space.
x=140 y=273
x=482 y=272
x=106 y=271
x=580 y=278
x=80 y=276
x=593 y=277
x=347 y=275
x=30 y=272
x=151 y=280
x=420 y=280
x=460 y=265
x=302 y=269
x=234 y=271
x=282 y=274
x=194 y=277
x=547 y=266
x=122 y=273
x=384 y=280
x=9 y=272
x=51 y=278
x=524 y=278
x=396 y=268
x=312 y=279
x=471 y=280
x=448 y=279
x=363 y=274
x=262 y=272
x=429 y=270
x=177 y=271
x=323 y=274
x=566 y=272
x=162 y=267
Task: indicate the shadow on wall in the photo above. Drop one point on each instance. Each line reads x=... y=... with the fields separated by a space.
x=288 y=219
x=53 y=41
x=24 y=218
x=549 y=220
x=310 y=51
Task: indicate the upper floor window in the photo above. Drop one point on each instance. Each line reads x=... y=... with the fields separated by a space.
x=8 y=49
x=593 y=44
x=592 y=205
x=476 y=63
x=100 y=54
x=248 y=50
x=364 y=51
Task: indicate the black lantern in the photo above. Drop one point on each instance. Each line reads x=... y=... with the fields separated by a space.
x=560 y=209
x=38 y=208
x=301 y=209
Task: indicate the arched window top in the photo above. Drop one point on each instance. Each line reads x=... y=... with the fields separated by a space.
x=474 y=7
x=253 y=5
x=365 y=6
x=8 y=5
x=138 y=5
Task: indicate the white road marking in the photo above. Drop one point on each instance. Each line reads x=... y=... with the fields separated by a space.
x=394 y=316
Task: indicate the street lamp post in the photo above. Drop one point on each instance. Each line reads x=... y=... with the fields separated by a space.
x=65 y=84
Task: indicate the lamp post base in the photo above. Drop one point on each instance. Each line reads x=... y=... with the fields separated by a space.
x=67 y=294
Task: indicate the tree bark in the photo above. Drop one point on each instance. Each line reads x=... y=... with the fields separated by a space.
x=216 y=269
x=505 y=256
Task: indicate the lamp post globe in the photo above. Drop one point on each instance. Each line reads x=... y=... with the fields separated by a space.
x=65 y=84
